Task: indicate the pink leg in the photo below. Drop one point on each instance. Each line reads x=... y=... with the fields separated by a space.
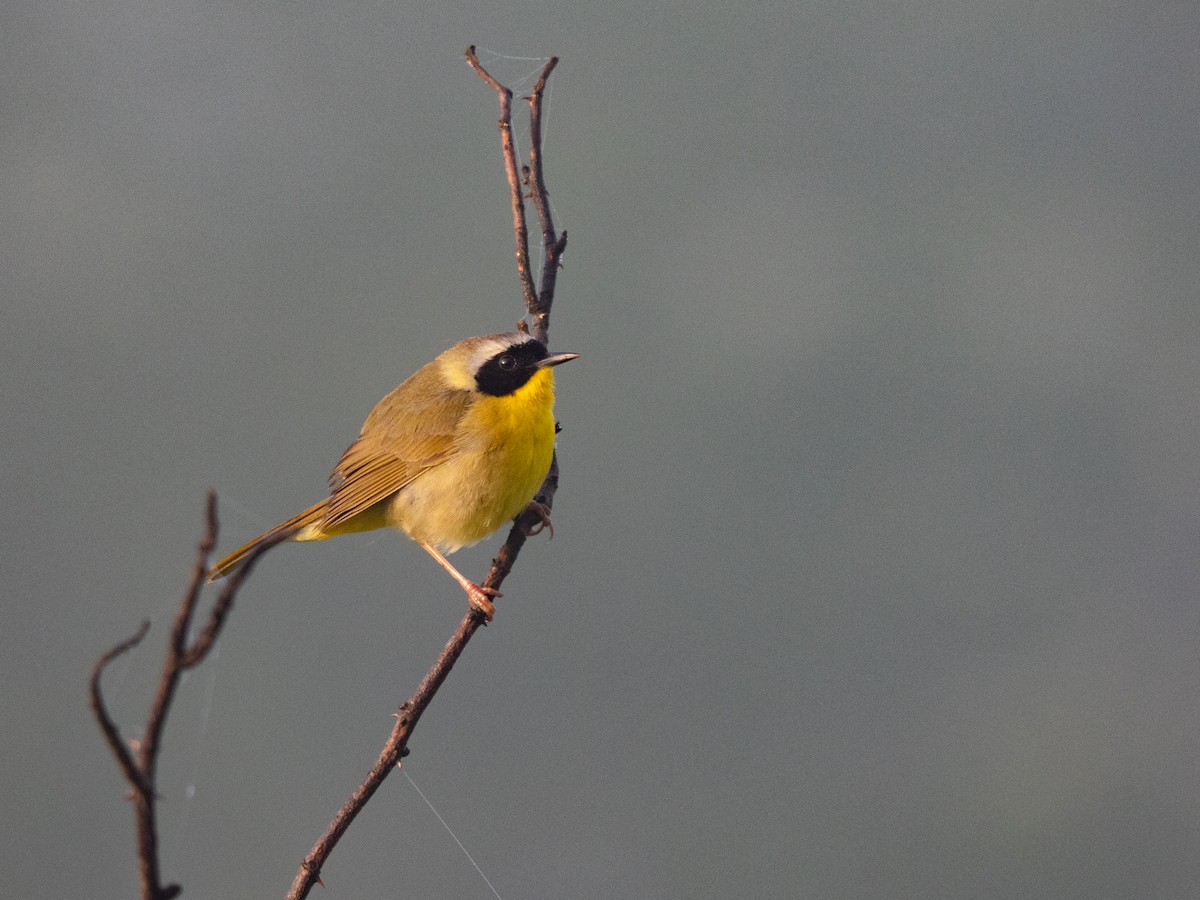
x=478 y=597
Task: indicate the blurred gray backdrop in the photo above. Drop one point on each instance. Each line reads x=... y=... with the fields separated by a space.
x=875 y=569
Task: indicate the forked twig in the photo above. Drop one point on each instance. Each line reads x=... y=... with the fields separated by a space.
x=139 y=765
x=555 y=245
x=538 y=307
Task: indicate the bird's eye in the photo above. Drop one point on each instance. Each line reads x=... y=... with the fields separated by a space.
x=506 y=363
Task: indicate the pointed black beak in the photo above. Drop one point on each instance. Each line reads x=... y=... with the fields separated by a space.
x=556 y=359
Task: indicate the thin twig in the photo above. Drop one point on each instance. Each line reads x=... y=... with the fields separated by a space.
x=555 y=245
x=177 y=646
x=508 y=149
x=141 y=770
x=396 y=747
x=112 y=734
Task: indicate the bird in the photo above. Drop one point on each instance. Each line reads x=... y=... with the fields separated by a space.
x=457 y=450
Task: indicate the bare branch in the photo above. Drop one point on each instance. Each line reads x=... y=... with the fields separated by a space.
x=393 y=751
x=396 y=747
x=554 y=245
x=411 y=711
x=112 y=734
x=521 y=233
x=141 y=771
x=177 y=647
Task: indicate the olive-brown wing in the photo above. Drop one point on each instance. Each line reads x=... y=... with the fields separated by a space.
x=410 y=431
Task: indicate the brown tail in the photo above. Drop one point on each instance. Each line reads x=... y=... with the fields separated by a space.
x=230 y=563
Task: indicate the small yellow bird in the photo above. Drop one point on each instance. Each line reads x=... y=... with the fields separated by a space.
x=448 y=457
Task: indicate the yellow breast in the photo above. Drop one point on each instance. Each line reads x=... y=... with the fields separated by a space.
x=502 y=452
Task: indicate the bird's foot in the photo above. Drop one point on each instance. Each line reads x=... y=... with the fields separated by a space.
x=480 y=599
x=542 y=511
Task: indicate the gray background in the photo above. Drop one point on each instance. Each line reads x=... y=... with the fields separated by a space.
x=875 y=568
